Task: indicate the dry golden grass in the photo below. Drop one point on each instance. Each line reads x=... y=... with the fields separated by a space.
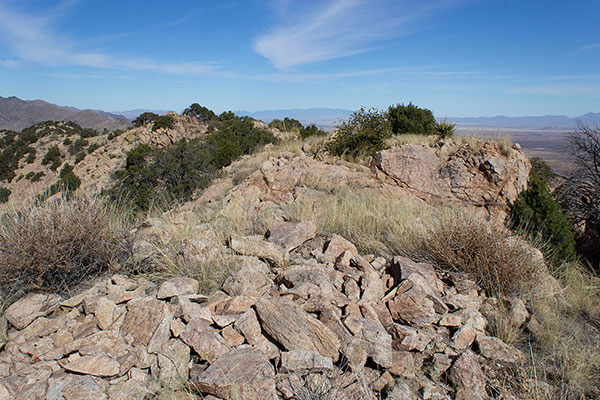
x=475 y=139
x=565 y=349
x=566 y=352
x=447 y=236
x=211 y=263
x=57 y=245
x=490 y=253
x=245 y=166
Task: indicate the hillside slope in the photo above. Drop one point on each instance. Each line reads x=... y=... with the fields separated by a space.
x=17 y=114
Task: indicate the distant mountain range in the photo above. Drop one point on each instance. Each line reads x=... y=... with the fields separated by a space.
x=328 y=117
x=133 y=114
x=544 y=122
x=17 y=114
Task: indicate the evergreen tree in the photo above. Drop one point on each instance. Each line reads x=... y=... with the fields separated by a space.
x=537 y=213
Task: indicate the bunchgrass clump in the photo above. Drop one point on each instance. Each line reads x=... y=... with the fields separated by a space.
x=57 y=245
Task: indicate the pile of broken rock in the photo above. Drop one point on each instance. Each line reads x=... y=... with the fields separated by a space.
x=304 y=315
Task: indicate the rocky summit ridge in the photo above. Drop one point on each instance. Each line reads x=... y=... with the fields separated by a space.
x=302 y=313
x=305 y=314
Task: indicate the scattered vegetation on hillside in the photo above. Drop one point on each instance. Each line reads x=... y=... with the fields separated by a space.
x=293 y=125
x=177 y=171
x=14 y=146
x=286 y=125
x=53 y=157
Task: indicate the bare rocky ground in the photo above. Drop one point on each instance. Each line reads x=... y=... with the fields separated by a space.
x=306 y=316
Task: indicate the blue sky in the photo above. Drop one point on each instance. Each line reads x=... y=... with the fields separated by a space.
x=456 y=57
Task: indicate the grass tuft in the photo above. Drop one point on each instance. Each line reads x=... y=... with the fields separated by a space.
x=57 y=245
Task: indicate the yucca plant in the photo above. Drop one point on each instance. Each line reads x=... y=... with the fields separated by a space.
x=444 y=129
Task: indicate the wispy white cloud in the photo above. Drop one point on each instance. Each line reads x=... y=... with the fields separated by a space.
x=590 y=46
x=338 y=28
x=34 y=38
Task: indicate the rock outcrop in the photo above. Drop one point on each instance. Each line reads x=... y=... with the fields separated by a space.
x=359 y=327
x=483 y=179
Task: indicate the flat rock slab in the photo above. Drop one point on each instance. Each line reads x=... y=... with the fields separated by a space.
x=24 y=311
x=467 y=376
x=336 y=246
x=250 y=281
x=75 y=387
x=177 y=287
x=257 y=246
x=305 y=361
x=99 y=365
x=204 y=340
x=495 y=349
x=243 y=374
x=290 y=235
x=142 y=319
x=295 y=329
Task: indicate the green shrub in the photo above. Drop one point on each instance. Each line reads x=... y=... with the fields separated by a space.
x=67 y=141
x=78 y=146
x=362 y=135
x=536 y=213
x=14 y=148
x=201 y=113
x=4 y=195
x=52 y=157
x=444 y=129
x=541 y=169
x=311 y=130
x=163 y=122
x=68 y=184
x=115 y=133
x=58 y=245
x=68 y=179
x=31 y=155
x=177 y=171
x=411 y=119
x=92 y=147
x=144 y=119
x=88 y=133
x=79 y=157
x=37 y=176
x=287 y=125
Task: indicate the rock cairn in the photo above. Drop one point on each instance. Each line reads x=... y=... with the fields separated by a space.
x=304 y=315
